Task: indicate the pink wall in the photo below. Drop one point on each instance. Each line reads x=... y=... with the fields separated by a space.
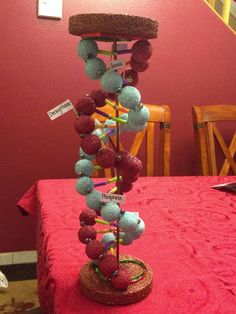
x=193 y=63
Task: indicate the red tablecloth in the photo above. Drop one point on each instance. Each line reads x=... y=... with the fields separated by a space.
x=190 y=242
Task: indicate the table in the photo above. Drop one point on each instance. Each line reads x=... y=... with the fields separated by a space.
x=190 y=242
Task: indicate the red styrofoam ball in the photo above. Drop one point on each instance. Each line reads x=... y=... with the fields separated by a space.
x=99 y=96
x=94 y=249
x=106 y=158
x=122 y=160
x=126 y=186
x=91 y=144
x=87 y=233
x=85 y=105
x=121 y=279
x=108 y=264
x=138 y=66
x=87 y=217
x=84 y=124
x=128 y=178
x=131 y=77
x=141 y=50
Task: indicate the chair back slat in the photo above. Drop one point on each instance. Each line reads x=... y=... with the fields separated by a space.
x=150 y=148
x=205 y=120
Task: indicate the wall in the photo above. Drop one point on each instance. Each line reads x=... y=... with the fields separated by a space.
x=193 y=63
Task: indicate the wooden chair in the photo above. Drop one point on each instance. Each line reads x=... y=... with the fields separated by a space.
x=160 y=116
x=207 y=134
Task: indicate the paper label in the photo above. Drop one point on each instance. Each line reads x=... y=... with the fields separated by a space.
x=60 y=109
x=120 y=47
x=115 y=198
x=117 y=64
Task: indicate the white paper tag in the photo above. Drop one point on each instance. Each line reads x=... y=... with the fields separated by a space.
x=115 y=198
x=120 y=47
x=117 y=64
x=60 y=109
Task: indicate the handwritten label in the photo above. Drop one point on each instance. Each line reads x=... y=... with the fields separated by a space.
x=120 y=47
x=116 y=198
x=117 y=64
x=60 y=109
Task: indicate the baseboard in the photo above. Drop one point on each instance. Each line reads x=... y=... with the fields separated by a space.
x=15 y=258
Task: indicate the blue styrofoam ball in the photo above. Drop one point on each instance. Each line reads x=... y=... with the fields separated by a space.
x=83 y=155
x=111 y=81
x=93 y=200
x=87 y=49
x=124 y=127
x=84 y=185
x=98 y=133
x=139 y=230
x=110 y=211
x=108 y=237
x=106 y=127
x=138 y=116
x=135 y=128
x=126 y=239
x=95 y=68
x=84 y=167
x=129 y=97
x=128 y=222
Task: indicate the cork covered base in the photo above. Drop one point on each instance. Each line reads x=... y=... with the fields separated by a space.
x=102 y=291
x=108 y=26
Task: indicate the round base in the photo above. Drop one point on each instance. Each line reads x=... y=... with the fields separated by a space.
x=102 y=291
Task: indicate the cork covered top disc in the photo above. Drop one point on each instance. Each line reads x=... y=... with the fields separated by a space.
x=108 y=27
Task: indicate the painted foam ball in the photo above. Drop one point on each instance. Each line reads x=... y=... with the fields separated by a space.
x=99 y=97
x=99 y=133
x=87 y=217
x=83 y=155
x=127 y=178
x=130 y=77
x=122 y=160
x=141 y=50
x=139 y=116
x=108 y=264
x=128 y=222
x=84 y=185
x=134 y=166
x=121 y=279
x=107 y=123
x=91 y=144
x=84 y=124
x=111 y=81
x=110 y=211
x=94 y=249
x=87 y=233
x=140 y=228
x=138 y=66
x=85 y=105
x=106 y=157
x=125 y=186
x=126 y=238
x=95 y=68
x=135 y=128
x=87 y=48
x=93 y=200
x=129 y=97
x=108 y=240
x=84 y=167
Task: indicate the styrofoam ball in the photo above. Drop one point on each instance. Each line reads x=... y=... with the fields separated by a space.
x=138 y=66
x=90 y=144
x=87 y=233
x=87 y=217
x=110 y=211
x=138 y=116
x=99 y=97
x=128 y=222
x=83 y=155
x=84 y=167
x=124 y=127
x=87 y=49
x=93 y=200
x=94 y=249
x=84 y=124
x=85 y=105
x=98 y=133
x=108 y=240
x=131 y=77
x=106 y=126
x=135 y=128
x=106 y=157
x=111 y=81
x=126 y=238
x=129 y=97
x=95 y=68
x=84 y=185
x=121 y=279
x=108 y=264
x=140 y=228
x=141 y=50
